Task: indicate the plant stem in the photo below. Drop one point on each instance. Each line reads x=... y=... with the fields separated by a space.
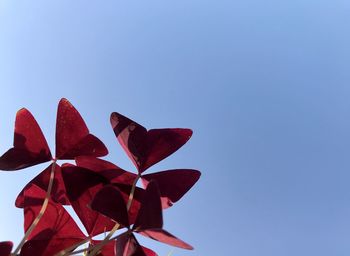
x=97 y=245
x=42 y=210
x=117 y=225
x=132 y=192
x=67 y=250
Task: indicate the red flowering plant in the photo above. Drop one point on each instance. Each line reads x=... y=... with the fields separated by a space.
x=105 y=197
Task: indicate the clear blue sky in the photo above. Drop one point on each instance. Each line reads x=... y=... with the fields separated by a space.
x=265 y=85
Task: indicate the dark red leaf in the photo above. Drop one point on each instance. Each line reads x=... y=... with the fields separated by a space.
x=5 y=248
x=124 y=189
x=146 y=148
x=173 y=184
x=107 y=250
x=29 y=144
x=149 y=252
x=72 y=135
x=150 y=213
x=55 y=231
x=127 y=245
x=107 y=169
x=136 y=202
x=58 y=193
x=165 y=237
x=110 y=202
x=47 y=247
x=78 y=179
x=110 y=248
x=82 y=186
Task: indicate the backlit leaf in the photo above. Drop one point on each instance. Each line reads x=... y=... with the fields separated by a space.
x=172 y=184
x=146 y=148
x=72 y=135
x=29 y=144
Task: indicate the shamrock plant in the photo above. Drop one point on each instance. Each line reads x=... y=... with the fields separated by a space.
x=105 y=197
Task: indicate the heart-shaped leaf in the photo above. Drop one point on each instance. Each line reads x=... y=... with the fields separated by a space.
x=146 y=148
x=55 y=231
x=72 y=135
x=82 y=186
x=29 y=144
x=172 y=184
x=58 y=193
x=110 y=202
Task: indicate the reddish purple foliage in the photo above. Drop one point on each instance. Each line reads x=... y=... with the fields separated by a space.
x=29 y=144
x=146 y=148
x=58 y=193
x=72 y=135
x=101 y=193
x=55 y=231
x=5 y=248
x=149 y=221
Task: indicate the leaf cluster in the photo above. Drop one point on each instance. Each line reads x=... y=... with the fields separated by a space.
x=105 y=197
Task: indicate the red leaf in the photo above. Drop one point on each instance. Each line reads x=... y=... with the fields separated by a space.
x=29 y=144
x=72 y=135
x=55 y=231
x=107 y=169
x=165 y=237
x=173 y=184
x=82 y=186
x=109 y=249
x=127 y=245
x=40 y=247
x=146 y=148
x=5 y=248
x=136 y=202
x=150 y=213
x=110 y=202
x=58 y=193
x=149 y=252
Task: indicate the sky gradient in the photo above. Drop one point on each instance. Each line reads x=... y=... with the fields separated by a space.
x=265 y=86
